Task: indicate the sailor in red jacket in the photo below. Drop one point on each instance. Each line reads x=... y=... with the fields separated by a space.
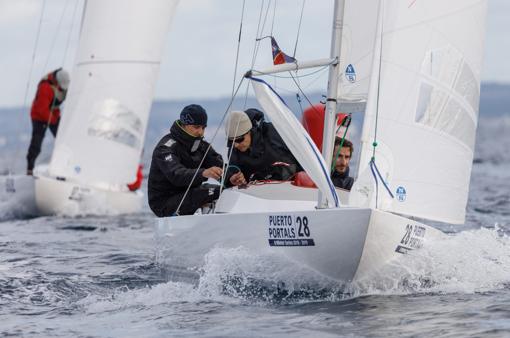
x=45 y=112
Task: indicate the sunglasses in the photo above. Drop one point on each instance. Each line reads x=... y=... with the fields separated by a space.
x=238 y=139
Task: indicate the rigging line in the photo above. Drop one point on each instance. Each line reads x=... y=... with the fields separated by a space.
x=309 y=84
x=265 y=16
x=56 y=34
x=33 y=53
x=306 y=97
x=238 y=48
x=261 y=31
x=209 y=147
x=298 y=34
x=29 y=80
x=374 y=144
x=70 y=32
x=300 y=76
x=299 y=28
x=258 y=33
x=272 y=30
x=224 y=174
x=255 y=48
x=376 y=182
x=382 y=180
x=274 y=14
x=298 y=98
x=301 y=90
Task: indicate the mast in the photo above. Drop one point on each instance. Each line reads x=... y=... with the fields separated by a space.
x=330 y=111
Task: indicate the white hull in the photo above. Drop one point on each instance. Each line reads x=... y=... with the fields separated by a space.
x=56 y=197
x=344 y=244
x=17 y=195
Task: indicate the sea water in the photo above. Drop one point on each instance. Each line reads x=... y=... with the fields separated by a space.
x=105 y=277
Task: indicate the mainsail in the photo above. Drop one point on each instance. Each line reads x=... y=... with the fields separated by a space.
x=101 y=135
x=423 y=110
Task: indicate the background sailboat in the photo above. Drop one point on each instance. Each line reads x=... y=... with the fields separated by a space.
x=102 y=131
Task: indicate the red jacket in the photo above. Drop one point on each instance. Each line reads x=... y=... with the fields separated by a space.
x=139 y=177
x=48 y=99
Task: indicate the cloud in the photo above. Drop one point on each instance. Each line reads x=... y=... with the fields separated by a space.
x=17 y=12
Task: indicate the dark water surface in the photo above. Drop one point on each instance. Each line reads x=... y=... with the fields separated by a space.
x=104 y=277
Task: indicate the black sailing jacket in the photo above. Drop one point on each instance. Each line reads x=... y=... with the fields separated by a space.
x=343 y=181
x=258 y=162
x=174 y=163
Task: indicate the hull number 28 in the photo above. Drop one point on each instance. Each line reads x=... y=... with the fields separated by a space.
x=289 y=230
x=412 y=239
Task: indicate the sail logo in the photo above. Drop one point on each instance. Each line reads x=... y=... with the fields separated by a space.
x=350 y=73
x=401 y=194
x=169 y=143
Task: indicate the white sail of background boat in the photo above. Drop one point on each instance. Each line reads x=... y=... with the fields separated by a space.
x=417 y=66
x=100 y=138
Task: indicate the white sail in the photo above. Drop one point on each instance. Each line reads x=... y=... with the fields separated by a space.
x=297 y=139
x=423 y=112
x=356 y=58
x=101 y=135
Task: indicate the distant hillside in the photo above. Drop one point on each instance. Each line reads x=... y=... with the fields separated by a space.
x=15 y=125
x=495 y=99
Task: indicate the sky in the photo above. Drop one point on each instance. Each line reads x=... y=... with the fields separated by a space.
x=200 y=49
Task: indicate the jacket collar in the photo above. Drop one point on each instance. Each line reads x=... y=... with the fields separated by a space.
x=190 y=142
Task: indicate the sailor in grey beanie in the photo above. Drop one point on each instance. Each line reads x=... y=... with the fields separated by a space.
x=238 y=124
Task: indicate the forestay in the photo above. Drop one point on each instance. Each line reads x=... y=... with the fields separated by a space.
x=101 y=135
x=427 y=103
x=296 y=138
x=356 y=58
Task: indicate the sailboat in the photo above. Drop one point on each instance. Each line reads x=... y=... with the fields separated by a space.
x=100 y=139
x=414 y=68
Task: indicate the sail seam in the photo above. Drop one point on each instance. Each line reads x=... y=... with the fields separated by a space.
x=117 y=61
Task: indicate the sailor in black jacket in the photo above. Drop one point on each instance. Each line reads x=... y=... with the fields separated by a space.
x=176 y=164
x=340 y=175
x=259 y=151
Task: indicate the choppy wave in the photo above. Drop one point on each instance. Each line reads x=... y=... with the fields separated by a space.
x=469 y=262
x=466 y=262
